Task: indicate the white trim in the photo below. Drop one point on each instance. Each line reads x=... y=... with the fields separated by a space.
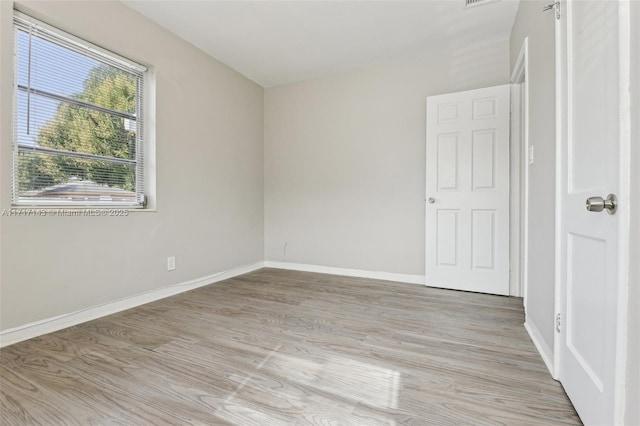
x=376 y=275
x=520 y=201
x=624 y=210
x=515 y=210
x=149 y=139
x=559 y=223
x=49 y=325
x=543 y=349
x=522 y=63
x=631 y=396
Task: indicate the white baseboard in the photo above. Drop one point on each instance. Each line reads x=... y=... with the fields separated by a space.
x=360 y=273
x=49 y=325
x=541 y=346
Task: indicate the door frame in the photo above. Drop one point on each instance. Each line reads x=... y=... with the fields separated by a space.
x=624 y=208
x=519 y=203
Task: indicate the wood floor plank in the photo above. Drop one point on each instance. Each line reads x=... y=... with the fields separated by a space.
x=51 y=394
x=278 y=347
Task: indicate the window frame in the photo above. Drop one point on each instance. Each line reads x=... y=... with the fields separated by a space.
x=80 y=46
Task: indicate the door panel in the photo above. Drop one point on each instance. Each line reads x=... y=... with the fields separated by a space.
x=586 y=288
x=447 y=162
x=468 y=179
x=483 y=237
x=447 y=236
x=590 y=104
x=448 y=113
x=483 y=148
x=484 y=108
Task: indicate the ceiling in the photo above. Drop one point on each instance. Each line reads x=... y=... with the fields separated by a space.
x=281 y=42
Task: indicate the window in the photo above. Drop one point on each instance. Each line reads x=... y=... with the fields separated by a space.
x=78 y=126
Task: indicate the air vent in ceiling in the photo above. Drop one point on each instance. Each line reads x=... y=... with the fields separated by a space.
x=473 y=3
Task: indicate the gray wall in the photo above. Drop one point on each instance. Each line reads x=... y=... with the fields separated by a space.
x=539 y=27
x=345 y=159
x=209 y=178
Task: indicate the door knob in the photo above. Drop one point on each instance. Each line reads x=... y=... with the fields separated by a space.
x=431 y=200
x=597 y=204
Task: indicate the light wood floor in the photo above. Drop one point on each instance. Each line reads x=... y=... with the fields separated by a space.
x=278 y=348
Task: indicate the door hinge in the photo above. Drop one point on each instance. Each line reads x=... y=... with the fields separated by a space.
x=555 y=6
x=558 y=322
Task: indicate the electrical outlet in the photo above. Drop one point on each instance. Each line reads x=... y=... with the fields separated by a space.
x=171 y=263
x=530 y=154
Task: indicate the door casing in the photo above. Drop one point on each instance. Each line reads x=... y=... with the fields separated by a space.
x=519 y=204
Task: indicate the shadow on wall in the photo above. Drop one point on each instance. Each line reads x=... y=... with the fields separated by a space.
x=472 y=65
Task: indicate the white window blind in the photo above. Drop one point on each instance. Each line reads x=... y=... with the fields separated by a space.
x=78 y=129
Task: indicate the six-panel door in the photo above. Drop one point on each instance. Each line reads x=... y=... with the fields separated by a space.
x=467 y=190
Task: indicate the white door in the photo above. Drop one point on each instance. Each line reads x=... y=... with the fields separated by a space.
x=467 y=190
x=593 y=107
